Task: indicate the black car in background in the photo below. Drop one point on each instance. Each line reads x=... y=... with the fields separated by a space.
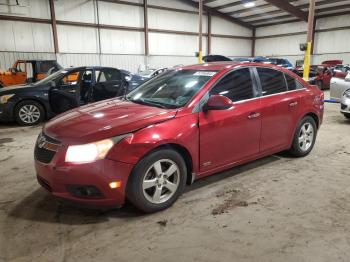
x=64 y=90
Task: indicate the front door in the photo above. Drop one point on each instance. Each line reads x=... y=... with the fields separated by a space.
x=65 y=94
x=231 y=135
x=108 y=84
x=280 y=108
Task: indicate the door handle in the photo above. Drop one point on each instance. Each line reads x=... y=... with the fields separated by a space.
x=292 y=104
x=253 y=115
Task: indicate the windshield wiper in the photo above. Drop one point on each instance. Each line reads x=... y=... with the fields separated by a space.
x=148 y=103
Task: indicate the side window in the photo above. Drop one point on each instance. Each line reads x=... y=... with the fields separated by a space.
x=237 y=85
x=292 y=83
x=70 y=79
x=106 y=75
x=272 y=81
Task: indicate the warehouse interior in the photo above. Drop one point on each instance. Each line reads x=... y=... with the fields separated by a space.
x=277 y=206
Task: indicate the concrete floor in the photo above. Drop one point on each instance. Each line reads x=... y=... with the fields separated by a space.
x=274 y=209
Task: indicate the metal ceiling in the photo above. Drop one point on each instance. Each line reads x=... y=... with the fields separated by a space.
x=269 y=12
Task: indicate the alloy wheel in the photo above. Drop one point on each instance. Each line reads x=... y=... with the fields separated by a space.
x=29 y=114
x=161 y=181
x=306 y=136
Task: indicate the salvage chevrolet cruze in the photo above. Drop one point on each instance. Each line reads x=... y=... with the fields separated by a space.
x=185 y=124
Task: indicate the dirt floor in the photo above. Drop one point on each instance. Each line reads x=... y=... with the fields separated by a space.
x=274 y=209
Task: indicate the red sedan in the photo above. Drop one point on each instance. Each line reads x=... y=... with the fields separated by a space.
x=185 y=124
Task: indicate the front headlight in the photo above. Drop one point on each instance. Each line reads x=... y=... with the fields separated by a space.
x=91 y=152
x=347 y=93
x=5 y=98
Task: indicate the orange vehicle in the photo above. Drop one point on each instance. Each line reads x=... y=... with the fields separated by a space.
x=27 y=71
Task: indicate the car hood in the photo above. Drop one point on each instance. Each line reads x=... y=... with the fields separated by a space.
x=103 y=120
x=19 y=89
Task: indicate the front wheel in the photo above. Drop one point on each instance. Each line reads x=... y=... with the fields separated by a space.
x=304 y=137
x=157 y=181
x=347 y=115
x=29 y=113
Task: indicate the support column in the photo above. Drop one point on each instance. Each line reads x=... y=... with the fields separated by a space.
x=310 y=32
x=200 y=3
x=54 y=26
x=253 y=42
x=98 y=33
x=209 y=34
x=145 y=21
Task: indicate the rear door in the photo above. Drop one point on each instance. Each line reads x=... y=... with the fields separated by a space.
x=108 y=84
x=230 y=135
x=279 y=108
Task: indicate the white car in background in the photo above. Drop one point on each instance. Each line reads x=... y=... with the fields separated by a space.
x=338 y=87
x=345 y=104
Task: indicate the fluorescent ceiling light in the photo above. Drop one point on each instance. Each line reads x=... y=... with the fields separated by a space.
x=249 y=4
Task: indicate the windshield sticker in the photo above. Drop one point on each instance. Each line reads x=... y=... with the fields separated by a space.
x=204 y=73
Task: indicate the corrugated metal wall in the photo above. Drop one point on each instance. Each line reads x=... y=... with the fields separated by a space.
x=119 y=48
x=332 y=44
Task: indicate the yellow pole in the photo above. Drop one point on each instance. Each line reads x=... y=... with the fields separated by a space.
x=310 y=33
x=307 y=61
x=200 y=55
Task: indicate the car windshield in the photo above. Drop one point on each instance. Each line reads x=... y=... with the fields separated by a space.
x=53 y=77
x=173 y=89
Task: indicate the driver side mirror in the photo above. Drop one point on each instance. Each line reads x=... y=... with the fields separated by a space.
x=217 y=102
x=13 y=70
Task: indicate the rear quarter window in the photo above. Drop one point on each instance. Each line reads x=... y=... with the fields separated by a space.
x=292 y=83
x=272 y=81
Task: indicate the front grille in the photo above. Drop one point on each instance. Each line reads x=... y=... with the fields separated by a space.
x=45 y=148
x=44 y=183
x=343 y=107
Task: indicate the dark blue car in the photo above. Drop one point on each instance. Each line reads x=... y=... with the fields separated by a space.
x=64 y=90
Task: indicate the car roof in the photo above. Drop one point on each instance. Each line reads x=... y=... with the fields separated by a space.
x=88 y=67
x=219 y=66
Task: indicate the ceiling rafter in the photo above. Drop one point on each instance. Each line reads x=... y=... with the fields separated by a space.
x=303 y=6
x=289 y=8
x=231 y=5
x=220 y=14
x=318 y=11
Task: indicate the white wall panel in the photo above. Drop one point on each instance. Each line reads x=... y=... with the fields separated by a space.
x=26 y=8
x=25 y=37
x=68 y=60
x=231 y=47
x=77 y=10
x=76 y=39
x=169 y=61
x=127 y=62
x=171 y=44
x=281 y=29
x=288 y=45
x=118 y=14
x=224 y=27
x=122 y=42
x=333 y=22
x=170 y=20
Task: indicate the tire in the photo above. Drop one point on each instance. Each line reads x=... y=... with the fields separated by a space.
x=347 y=115
x=29 y=113
x=145 y=195
x=303 y=143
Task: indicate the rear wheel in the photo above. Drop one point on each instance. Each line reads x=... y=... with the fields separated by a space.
x=157 y=181
x=304 y=137
x=28 y=113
